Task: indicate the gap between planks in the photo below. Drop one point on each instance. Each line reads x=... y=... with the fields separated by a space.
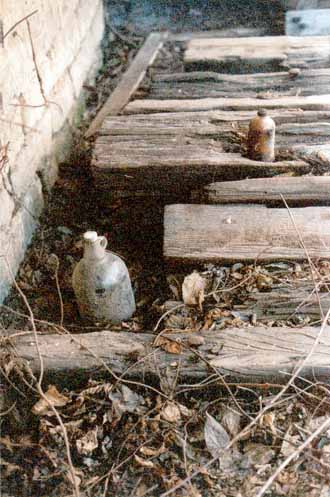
x=130 y=81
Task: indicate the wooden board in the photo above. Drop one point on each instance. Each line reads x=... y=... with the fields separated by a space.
x=239 y=55
x=203 y=122
x=144 y=106
x=174 y=166
x=303 y=190
x=213 y=233
x=199 y=84
x=253 y=355
x=130 y=81
x=219 y=126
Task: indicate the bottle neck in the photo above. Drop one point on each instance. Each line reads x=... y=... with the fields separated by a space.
x=94 y=251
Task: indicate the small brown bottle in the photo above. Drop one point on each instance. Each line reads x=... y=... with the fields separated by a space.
x=261 y=137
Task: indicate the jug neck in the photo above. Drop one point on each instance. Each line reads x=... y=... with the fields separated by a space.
x=94 y=246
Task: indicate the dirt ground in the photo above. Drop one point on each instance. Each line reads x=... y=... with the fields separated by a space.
x=131 y=440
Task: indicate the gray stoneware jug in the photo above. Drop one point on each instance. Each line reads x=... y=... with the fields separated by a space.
x=101 y=283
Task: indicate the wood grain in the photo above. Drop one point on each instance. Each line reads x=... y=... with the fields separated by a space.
x=188 y=85
x=130 y=81
x=253 y=355
x=313 y=102
x=239 y=55
x=214 y=233
x=303 y=190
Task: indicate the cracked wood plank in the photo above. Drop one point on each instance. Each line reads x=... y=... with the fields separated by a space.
x=253 y=355
x=239 y=55
x=302 y=190
x=226 y=233
x=145 y=106
x=199 y=84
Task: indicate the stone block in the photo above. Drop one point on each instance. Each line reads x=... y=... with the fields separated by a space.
x=16 y=238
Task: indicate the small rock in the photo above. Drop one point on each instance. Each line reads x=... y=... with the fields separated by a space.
x=196 y=340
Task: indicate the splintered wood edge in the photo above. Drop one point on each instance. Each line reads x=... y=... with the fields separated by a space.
x=129 y=82
x=254 y=354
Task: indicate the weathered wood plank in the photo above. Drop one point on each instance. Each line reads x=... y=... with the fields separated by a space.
x=150 y=128
x=303 y=190
x=201 y=122
x=173 y=166
x=297 y=301
x=253 y=355
x=130 y=81
x=313 y=102
x=238 y=55
x=205 y=233
x=201 y=84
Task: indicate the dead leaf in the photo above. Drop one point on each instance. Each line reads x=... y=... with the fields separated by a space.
x=42 y=408
x=289 y=444
x=143 y=462
x=125 y=400
x=87 y=443
x=193 y=289
x=171 y=346
x=257 y=455
x=231 y=421
x=216 y=437
x=149 y=451
x=171 y=413
x=267 y=420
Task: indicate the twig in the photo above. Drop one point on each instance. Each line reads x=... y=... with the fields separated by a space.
x=123 y=38
x=4 y=413
x=58 y=288
x=39 y=383
x=308 y=441
x=19 y=22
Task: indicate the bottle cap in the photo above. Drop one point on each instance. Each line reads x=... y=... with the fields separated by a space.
x=90 y=236
x=262 y=112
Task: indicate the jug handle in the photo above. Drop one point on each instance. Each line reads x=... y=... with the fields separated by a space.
x=103 y=242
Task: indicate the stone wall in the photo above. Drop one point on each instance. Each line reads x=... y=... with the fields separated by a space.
x=44 y=63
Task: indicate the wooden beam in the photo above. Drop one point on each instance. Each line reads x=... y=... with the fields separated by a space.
x=313 y=102
x=173 y=166
x=214 y=233
x=130 y=81
x=254 y=355
x=207 y=84
x=303 y=190
x=239 y=55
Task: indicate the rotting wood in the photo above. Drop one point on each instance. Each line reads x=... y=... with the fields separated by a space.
x=213 y=233
x=253 y=355
x=130 y=81
x=239 y=55
x=261 y=85
x=301 y=190
x=211 y=123
x=285 y=302
x=312 y=102
x=296 y=300
x=172 y=166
